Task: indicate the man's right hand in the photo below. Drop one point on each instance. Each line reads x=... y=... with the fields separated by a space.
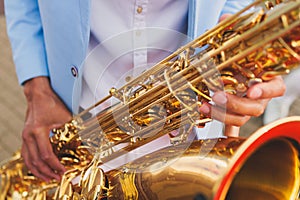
x=45 y=111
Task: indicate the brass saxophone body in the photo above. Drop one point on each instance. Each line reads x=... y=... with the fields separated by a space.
x=254 y=45
x=223 y=168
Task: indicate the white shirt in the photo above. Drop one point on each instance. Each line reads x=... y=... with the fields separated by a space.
x=128 y=36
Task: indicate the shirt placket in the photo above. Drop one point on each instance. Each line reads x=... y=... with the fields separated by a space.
x=139 y=34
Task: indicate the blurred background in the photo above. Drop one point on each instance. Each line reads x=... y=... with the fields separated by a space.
x=13 y=105
x=12 y=101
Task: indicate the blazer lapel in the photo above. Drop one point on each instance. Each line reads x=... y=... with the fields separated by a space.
x=203 y=15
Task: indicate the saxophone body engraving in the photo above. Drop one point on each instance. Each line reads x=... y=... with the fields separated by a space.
x=256 y=44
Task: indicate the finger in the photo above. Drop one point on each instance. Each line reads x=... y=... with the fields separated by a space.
x=228 y=118
x=224 y=16
x=240 y=105
x=30 y=166
x=47 y=155
x=220 y=114
x=30 y=148
x=205 y=109
x=232 y=131
x=38 y=167
x=273 y=88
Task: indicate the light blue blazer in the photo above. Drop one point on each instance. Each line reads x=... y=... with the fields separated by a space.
x=50 y=37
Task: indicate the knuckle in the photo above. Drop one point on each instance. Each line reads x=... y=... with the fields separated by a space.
x=246 y=119
x=283 y=89
x=234 y=107
x=36 y=130
x=45 y=157
x=35 y=163
x=259 y=110
x=29 y=132
x=25 y=134
x=25 y=137
x=238 y=123
x=242 y=120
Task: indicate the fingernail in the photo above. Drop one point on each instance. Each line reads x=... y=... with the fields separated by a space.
x=220 y=98
x=256 y=93
x=204 y=109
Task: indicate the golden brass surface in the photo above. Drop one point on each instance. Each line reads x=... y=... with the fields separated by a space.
x=254 y=45
x=198 y=170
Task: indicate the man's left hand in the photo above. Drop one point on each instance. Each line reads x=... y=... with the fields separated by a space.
x=235 y=111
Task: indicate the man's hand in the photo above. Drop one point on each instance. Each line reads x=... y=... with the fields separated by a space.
x=45 y=111
x=235 y=111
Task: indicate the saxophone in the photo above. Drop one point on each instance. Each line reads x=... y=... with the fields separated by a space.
x=254 y=45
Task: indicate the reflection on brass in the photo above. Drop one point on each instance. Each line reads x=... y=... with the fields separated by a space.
x=198 y=171
x=253 y=46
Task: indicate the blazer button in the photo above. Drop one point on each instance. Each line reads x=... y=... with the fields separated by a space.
x=74 y=71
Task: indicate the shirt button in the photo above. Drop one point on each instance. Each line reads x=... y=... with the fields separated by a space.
x=74 y=71
x=138 y=33
x=139 y=9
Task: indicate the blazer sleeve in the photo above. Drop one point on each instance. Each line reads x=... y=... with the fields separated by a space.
x=25 y=32
x=233 y=6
